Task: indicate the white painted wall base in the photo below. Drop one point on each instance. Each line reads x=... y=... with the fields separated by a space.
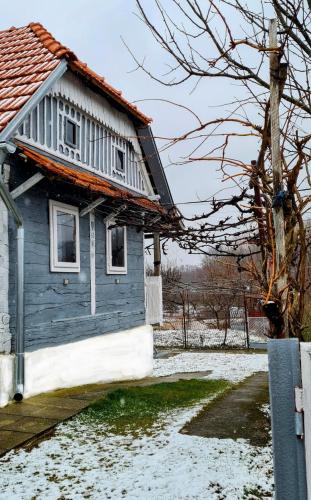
x=126 y=355
x=6 y=378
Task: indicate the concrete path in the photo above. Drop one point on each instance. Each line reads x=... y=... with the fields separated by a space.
x=26 y=423
x=237 y=414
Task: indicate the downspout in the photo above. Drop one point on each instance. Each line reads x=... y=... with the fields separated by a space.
x=19 y=377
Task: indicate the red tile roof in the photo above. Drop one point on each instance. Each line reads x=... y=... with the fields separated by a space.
x=28 y=55
x=88 y=181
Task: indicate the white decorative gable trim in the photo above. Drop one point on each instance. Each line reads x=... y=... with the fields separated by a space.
x=75 y=124
x=72 y=89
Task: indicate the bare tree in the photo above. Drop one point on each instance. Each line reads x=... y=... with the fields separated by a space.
x=228 y=39
x=171 y=278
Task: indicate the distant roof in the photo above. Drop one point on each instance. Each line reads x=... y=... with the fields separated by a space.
x=28 y=55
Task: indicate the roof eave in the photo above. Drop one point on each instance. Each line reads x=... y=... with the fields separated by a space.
x=154 y=165
x=89 y=181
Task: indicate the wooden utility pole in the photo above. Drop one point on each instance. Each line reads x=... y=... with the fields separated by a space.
x=156 y=255
x=258 y=207
x=278 y=213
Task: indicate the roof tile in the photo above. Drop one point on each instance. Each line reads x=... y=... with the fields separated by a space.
x=28 y=55
x=6 y=117
x=18 y=90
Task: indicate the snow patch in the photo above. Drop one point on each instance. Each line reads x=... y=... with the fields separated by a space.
x=230 y=366
x=202 y=338
x=83 y=460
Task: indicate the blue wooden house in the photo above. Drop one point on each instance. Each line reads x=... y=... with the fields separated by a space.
x=81 y=185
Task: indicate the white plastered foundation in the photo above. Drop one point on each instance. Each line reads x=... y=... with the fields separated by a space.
x=126 y=355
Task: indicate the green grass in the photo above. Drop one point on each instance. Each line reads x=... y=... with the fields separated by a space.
x=140 y=408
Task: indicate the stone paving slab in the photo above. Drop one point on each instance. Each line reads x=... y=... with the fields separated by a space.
x=28 y=424
x=40 y=410
x=54 y=401
x=6 y=419
x=11 y=439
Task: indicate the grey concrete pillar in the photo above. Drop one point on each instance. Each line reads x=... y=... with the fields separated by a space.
x=288 y=449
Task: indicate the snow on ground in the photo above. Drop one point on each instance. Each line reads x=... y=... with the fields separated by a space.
x=82 y=462
x=86 y=461
x=204 y=337
x=231 y=366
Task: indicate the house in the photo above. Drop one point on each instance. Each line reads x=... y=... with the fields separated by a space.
x=81 y=183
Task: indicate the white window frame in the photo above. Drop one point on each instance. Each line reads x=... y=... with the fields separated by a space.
x=55 y=265
x=116 y=149
x=110 y=268
x=121 y=174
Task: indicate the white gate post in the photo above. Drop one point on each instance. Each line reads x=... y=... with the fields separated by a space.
x=154 y=300
x=305 y=349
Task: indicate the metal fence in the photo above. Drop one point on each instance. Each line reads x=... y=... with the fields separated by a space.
x=193 y=331
x=258 y=327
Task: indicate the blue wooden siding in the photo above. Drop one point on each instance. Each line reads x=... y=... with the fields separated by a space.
x=56 y=313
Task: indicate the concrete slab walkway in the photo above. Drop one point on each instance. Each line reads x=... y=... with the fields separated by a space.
x=25 y=423
x=237 y=414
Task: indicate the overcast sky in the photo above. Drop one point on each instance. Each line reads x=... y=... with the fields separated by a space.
x=93 y=30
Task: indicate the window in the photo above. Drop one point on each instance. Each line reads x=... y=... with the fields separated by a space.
x=116 y=249
x=71 y=133
x=120 y=160
x=64 y=238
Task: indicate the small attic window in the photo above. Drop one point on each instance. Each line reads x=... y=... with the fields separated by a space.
x=71 y=133
x=120 y=160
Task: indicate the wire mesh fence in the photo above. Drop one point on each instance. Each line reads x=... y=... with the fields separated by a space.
x=193 y=323
x=258 y=328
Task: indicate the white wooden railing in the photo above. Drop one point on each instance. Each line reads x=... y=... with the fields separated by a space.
x=154 y=300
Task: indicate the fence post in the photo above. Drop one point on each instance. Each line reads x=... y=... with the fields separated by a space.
x=288 y=450
x=182 y=294
x=246 y=321
x=306 y=384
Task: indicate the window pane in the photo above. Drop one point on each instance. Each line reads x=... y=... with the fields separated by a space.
x=66 y=237
x=71 y=133
x=117 y=247
x=119 y=160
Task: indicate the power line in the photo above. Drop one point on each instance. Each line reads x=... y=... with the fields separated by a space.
x=201 y=202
